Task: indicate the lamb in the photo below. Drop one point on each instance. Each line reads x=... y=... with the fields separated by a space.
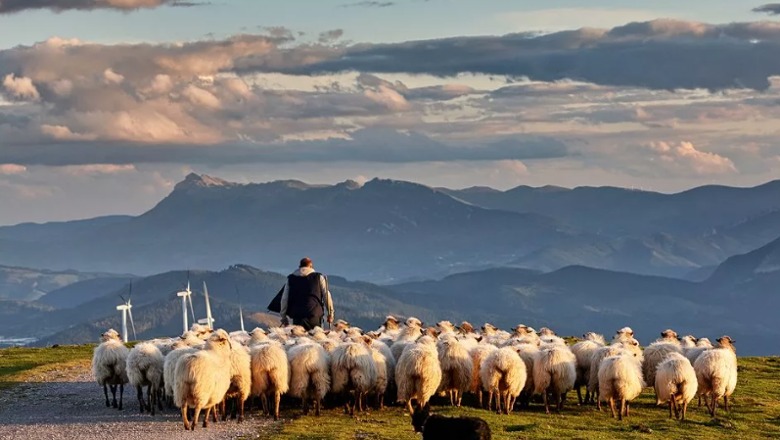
x=503 y=374
x=418 y=373
x=657 y=352
x=240 y=380
x=583 y=351
x=620 y=379
x=675 y=382
x=555 y=371
x=353 y=371
x=435 y=427
x=477 y=354
x=309 y=374
x=716 y=373
x=203 y=378
x=456 y=368
x=408 y=335
x=109 y=365
x=145 y=364
x=270 y=374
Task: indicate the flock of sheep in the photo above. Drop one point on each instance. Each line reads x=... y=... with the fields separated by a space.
x=409 y=363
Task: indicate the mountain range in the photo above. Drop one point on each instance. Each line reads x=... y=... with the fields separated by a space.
x=387 y=231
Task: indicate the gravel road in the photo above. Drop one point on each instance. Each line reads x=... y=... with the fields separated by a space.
x=68 y=404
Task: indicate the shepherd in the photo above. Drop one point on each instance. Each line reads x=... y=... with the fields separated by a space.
x=306 y=297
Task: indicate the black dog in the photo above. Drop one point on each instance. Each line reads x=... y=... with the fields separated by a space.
x=435 y=427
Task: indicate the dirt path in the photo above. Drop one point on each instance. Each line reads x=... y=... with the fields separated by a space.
x=68 y=404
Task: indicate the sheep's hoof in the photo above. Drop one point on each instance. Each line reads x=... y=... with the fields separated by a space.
x=205 y=424
x=107 y=404
x=276 y=417
x=186 y=426
x=240 y=419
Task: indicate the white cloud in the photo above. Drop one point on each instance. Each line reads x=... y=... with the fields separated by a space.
x=201 y=97
x=685 y=155
x=112 y=77
x=98 y=169
x=10 y=169
x=20 y=87
x=387 y=97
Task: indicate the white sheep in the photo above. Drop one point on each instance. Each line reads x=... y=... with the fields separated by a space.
x=555 y=371
x=620 y=379
x=145 y=364
x=353 y=372
x=716 y=373
x=418 y=373
x=693 y=353
x=456 y=367
x=240 y=380
x=270 y=374
x=616 y=348
x=179 y=349
x=625 y=333
x=201 y=331
x=478 y=353
x=657 y=352
x=389 y=331
x=503 y=374
x=583 y=351
x=309 y=374
x=385 y=370
x=411 y=331
x=203 y=378
x=257 y=336
x=675 y=383
x=109 y=363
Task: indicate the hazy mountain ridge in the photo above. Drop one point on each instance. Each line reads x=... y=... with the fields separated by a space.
x=26 y=284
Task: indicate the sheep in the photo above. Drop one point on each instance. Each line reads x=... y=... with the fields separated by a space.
x=309 y=374
x=675 y=382
x=201 y=331
x=257 y=336
x=353 y=372
x=445 y=328
x=456 y=368
x=385 y=370
x=109 y=363
x=555 y=371
x=716 y=373
x=145 y=364
x=620 y=379
x=625 y=333
x=270 y=374
x=528 y=353
x=179 y=349
x=203 y=378
x=240 y=337
x=389 y=330
x=465 y=328
x=240 y=380
x=583 y=351
x=191 y=339
x=657 y=352
x=631 y=345
x=503 y=374
x=435 y=427
x=477 y=354
x=693 y=353
x=418 y=373
x=410 y=333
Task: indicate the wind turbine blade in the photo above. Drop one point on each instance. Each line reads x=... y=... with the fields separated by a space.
x=240 y=309
x=130 y=294
x=132 y=323
x=192 y=310
x=209 y=320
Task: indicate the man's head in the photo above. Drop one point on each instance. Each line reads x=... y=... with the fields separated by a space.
x=305 y=262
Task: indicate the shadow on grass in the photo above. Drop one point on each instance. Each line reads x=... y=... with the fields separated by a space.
x=521 y=428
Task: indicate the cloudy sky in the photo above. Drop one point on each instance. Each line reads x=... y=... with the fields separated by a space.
x=106 y=104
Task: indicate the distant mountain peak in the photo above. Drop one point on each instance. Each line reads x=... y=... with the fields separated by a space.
x=193 y=180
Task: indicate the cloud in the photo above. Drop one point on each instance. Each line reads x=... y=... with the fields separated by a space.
x=368 y=4
x=112 y=77
x=330 y=36
x=98 y=169
x=769 y=8
x=10 y=169
x=20 y=87
x=13 y=6
x=684 y=155
x=660 y=54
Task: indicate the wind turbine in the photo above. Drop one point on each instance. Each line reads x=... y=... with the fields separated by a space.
x=185 y=295
x=126 y=309
x=209 y=320
x=240 y=310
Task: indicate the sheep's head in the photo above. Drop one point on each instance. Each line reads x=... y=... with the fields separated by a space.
x=110 y=335
x=297 y=331
x=625 y=331
x=414 y=322
x=704 y=342
x=368 y=340
x=726 y=342
x=391 y=323
x=373 y=334
x=445 y=327
x=670 y=335
x=689 y=340
x=544 y=331
x=522 y=330
x=488 y=329
x=466 y=327
x=340 y=325
x=432 y=331
x=329 y=345
x=219 y=339
x=420 y=416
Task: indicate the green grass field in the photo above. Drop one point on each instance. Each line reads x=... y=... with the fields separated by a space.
x=755 y=413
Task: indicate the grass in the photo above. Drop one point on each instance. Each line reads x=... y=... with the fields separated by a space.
x=755 y=415
x=755 y=412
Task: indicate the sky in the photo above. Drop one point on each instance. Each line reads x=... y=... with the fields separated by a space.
x=106 y=104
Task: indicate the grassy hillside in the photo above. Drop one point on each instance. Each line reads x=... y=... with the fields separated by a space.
x=755 y=414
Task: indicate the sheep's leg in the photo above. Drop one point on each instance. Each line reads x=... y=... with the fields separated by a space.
x=598 y=403
x=277 y=397
x=184 y=417
x=507 y=406
x=264 y=404
x=714 y=405
x=195 y=418
x=152 y=394
x=113 y=395
x=546 y=403
x=317 y=405
x=579 y=396
x=479 y=398
x=684 y=409
x=628 y=408
x=490 y=400
x=381 y=401
x=223 y=409
x=622 y=408
x=612 y=406
x=121 y=394
x=559 y=399
x=240 y=410
x=499 y=397
x=305 y=405
x=215 y=411
x=460 y=397
x=140 y=393
x=671 y=407
x=409 y=407
x=726 y=403
x=209 y=410
x=105 y=391
x=160 y=397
